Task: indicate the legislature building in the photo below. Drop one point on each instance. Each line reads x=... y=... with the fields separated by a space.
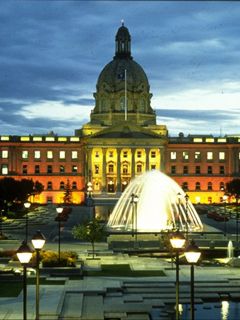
x=121 y=140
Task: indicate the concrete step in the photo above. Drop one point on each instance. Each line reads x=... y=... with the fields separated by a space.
x=92 y=308
x=72 y=306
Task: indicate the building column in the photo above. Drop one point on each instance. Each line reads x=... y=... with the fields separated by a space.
x=89 y=165
x=118 y=189
x=133 y=163
x=162 y=159
x=104 y=170
x=147 y=159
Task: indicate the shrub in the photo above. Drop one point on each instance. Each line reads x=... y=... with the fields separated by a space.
x=50 y=259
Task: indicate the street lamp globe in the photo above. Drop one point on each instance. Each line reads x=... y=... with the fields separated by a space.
x=177 y=240
x=192 y=253
x=27 y=205
x=24 y=253
x=59 y=209
x=38 y=240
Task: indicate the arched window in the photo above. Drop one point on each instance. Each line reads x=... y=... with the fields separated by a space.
x=110 y=168
x=198 y=186
x=62 y=185
x=49 y=185
x=209 y=187
x=139 y=168
x=74 y=185
x=125 y=169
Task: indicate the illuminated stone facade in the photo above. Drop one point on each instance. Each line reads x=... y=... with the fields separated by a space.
x=122 y=140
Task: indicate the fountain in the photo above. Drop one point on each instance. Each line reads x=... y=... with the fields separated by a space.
x=162 y=205
x=230 y=250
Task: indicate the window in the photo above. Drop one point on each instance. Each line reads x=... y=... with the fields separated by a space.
x=37 y=169
x=197 y=155
x=209 y=155
x=209 y=186
x=61 y=169
x=4 y=154
x=110 y=168
x=197 y=170
x=25 y=154
x=153 y=154
x=62 y=186
x=24 y=169
x=125 y=154
x=37 y=154
x=97 y=154
x=221 y=170
x=49 y=154
x=197 y=186
x=173 y=155
x=125 y=169
x=185 y=170
x=173 y=169
x=74 y=185
x=185 y=155
x=4 y=169
x=222 y=186
x=209 y=169
x=185 y=186
x=74 y=169
x=139 y=154
x=96 y=168
x=62 y=155
x=49 y=185
x=110 y=154
x=221 y=155
x=74 y=155
x=49 y=169
x=153 y=167
x=139 y=168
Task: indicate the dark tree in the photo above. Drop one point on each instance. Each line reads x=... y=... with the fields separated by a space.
x=67 y=199
x=233 y=188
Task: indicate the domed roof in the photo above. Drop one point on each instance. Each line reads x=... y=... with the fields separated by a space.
x=114 y=73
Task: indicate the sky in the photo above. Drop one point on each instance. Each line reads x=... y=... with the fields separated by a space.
x=52 y=53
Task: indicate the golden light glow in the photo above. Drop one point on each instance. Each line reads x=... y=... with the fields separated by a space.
x=192 y=257
x=4 y=138
x=25 y=138
x=197 y=139
x=24 y=257
x=74 y=139
x=177 y=243
x=209 y=140
x=37 y=138
x=62 y=139
x=225 y=310
x=50 y=139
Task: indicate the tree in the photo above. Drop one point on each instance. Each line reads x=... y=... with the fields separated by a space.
x=67 y=194
x=233 y=188
x=92 y=231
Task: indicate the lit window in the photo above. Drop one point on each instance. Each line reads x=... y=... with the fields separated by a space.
x=62 y=154
x=209 y=170
x=185 y=155
x=153 y=154
x=24 y=169
x=209 y=155
x=74 y=139
x=74 y=155
x=197 y=170
x=37 y=154
x=197 y=155
x=96 y=168
x=62 y=169
x=110 y=168
x=209 y=187
x=74 y=169
x=153 y=167
x=173 y=169
x=4 y=169
x=37 y=169
x=139 y=168
x=173 y=155
x=125 y=169
x=221 y=155
x=197 y=140
x=62 y=186
x=4 y=154
x=49 y=154
x=222 y=186
x=25 y=154
x=222 y=140
x=49 y=185
x=97 y=154
x=110 y=154
x=209 y=140
x=139 y=154
x=50 y=139
x=61 y=139
x=49 y=169
x=74 y=185
x=185 y=170
x=222 y=170
x=37 y=138
x=198 y=186
x=125 y=154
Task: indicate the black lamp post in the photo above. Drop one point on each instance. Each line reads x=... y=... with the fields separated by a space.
x=179 y=196
x=27 y=205
x=59 y=211
x=38 y=241
x=225 y=213
x=192 y=254
x=24 y=254
x=177 y=241
x=134 y=201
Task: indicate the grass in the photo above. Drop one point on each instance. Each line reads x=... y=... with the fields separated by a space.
x=13 y=288
x=122 y=270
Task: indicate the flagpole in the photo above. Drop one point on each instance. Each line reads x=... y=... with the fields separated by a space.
x=125 y=78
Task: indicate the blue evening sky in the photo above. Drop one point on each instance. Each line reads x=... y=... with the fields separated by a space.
x=53 y=51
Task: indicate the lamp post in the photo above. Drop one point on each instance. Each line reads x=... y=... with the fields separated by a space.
x=59 y=211
x=225 y=213
x=186 y=211
x=177 y=241
x=134 y=201
x=27 y=205
x=38 y=241
x=24 y=254
x=179 y=196
x=192 y=254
